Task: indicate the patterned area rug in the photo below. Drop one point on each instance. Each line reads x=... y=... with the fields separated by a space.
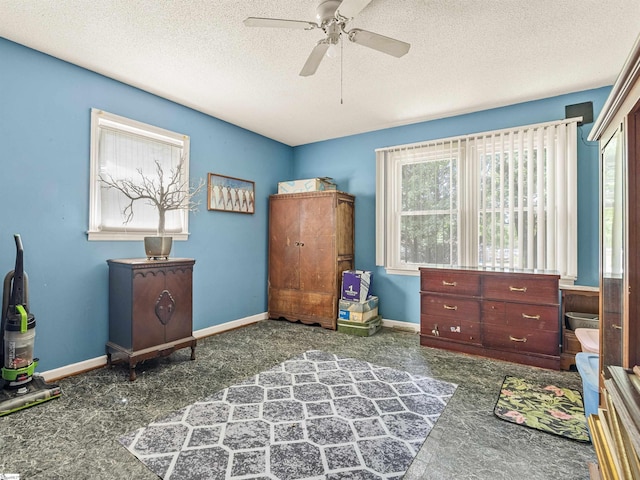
x=315 y=416
x=548 y=408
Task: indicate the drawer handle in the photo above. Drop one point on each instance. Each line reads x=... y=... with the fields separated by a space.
x=518 y=289
x=617 y=327
x=531 y=317
x=449 y=284
x=514 y=339
x=450 y=307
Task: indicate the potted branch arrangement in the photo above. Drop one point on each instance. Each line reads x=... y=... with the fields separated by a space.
x=165 y=194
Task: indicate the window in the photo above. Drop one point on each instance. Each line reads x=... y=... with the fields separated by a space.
x=126 y=149
x=505 y=199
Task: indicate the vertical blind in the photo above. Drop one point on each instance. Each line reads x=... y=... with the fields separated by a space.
x=513 y=204
x=125 y=155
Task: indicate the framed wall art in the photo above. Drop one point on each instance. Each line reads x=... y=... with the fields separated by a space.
x=230 y=194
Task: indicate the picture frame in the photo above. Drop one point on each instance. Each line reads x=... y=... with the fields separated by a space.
x=230 y=194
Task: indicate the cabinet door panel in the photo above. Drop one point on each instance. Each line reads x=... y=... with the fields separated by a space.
x=318 y=264
x=178 y=284
x=284 y=238
x=147 y=329
x=316 y=244
x=317 y=217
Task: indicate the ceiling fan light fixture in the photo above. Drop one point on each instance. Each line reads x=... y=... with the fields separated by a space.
x=333 y=51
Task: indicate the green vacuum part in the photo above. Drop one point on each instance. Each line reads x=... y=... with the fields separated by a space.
x=13 y=374
x=33 y=393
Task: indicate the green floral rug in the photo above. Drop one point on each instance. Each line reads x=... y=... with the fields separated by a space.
x=548 y=408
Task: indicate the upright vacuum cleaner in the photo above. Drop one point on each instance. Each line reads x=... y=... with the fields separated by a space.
x=20 y=387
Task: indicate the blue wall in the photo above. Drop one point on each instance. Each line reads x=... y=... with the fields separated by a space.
x=44 y=195
x=351 y=163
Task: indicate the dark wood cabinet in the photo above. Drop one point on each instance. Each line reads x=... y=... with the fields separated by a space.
x=575 y=299
x=505 y=315
x=310 y=245
x=150 y=308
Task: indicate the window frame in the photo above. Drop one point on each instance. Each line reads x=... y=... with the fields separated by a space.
x=388 y=194
x=101 y=119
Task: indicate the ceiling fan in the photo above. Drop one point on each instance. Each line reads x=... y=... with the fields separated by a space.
x=333 y=16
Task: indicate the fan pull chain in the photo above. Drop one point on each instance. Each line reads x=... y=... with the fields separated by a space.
x=341 y=63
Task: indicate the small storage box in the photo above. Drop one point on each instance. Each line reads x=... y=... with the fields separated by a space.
x=356 y=285
x=365 y=329
x=358 y=311
x=588 y=367
x=306 y=185
x=582 y=320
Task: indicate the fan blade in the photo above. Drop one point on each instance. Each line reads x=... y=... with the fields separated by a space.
x=312 y=63
x=279 y=23
x=350 y=8
x=379 y=42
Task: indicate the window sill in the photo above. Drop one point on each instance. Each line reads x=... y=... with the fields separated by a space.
x=122 y=236
x=413 y=272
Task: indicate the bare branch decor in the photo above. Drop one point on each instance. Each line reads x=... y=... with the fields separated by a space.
x=174 y=194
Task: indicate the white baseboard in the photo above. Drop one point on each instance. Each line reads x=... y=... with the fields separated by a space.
x=398 y=325
x=101 y=361
x=205 y=332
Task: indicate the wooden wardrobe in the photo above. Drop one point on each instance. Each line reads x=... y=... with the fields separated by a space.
x=311 y=242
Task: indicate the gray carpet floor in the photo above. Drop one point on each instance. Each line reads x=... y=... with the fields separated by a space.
x=76 y=436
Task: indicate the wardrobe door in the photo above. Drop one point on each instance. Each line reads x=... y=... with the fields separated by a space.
x=613 y=250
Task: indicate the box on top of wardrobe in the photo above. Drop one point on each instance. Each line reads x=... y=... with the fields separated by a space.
x=318 y=184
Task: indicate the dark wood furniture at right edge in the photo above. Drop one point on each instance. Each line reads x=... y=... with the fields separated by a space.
x=504 y=315
x=617 y=129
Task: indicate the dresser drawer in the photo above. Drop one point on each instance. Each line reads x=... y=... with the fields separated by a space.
x=449 y=306
x=522 y=288
x=532 y=316
x=461 y=330
x=520 y=338
x=450 y=281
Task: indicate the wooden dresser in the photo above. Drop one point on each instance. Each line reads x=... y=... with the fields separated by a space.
x=504 y=315
x=150 y=306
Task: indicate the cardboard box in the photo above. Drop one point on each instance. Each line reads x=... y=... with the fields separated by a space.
x=358 y=311
x=306 y=185
x=365 y=329
x=356 y=285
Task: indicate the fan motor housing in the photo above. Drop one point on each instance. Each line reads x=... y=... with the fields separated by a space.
x=326 y=11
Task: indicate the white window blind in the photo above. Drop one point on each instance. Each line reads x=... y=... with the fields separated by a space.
x=124 y=149
x=503 y=199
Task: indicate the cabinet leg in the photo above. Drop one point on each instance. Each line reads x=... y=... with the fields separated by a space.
x=108 y=359
x=132 y=372
x=193 y=352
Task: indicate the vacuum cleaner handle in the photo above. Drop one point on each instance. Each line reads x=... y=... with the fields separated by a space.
x=17 y=288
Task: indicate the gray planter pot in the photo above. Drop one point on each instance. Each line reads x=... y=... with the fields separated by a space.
x=157 y=248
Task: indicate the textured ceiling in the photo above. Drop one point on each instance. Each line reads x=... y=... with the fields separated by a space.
x=466 y=55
